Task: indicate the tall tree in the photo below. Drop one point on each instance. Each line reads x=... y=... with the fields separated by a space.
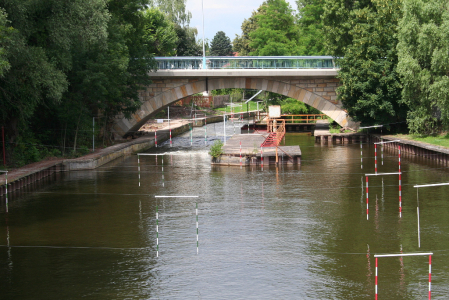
x=371 y=88
x=424 y=63
x=241 y=42
x=187 y=45
x=310 y=27
x=275 y=34
x=221 y=45
x=175 y=10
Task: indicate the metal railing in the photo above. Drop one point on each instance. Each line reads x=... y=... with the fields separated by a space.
x=304 y=118
x=246 y=62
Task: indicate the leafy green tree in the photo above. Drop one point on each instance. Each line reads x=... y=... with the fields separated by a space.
x=159 y=33
x=371 y=88
x=187 y=45
x=221 y=45
x=310 y=27
x=275 y=34
x=175 y=10
x=241 y=42
x=5 y=39
x=424 y=63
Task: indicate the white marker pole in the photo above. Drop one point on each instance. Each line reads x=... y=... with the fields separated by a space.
x=157 y=231
x=400 y=184
x=197 y=243
x=224 y=128
x=138 y=166
x=375 y=174
x=375 y=159
x=382 y=150
x=205 y=131
x=240 y=153
x=361 y=155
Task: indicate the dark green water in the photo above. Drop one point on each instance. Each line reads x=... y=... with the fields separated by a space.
x=280 y=233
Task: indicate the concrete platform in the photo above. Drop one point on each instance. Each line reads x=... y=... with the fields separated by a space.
x=251 y=152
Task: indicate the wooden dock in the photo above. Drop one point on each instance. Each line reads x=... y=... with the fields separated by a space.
x=322 y=135
x=251 y=153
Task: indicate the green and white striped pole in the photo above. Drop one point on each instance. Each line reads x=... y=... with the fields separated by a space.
x=163 y=184
x=191 y=135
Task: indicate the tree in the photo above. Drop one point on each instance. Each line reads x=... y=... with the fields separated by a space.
x=241 y=42
x=424 y=63
x=187 y=45
x=175 y=10
x=371 y=88
x=275 y=34
x=310 y=27
x=221 y=45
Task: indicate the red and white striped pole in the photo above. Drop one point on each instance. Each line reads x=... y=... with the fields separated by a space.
x=375 y=158
x=155 y=138
x=376 y=281
x=367 y=197
x=240 y=153
x=430 y=275
x=400 y=184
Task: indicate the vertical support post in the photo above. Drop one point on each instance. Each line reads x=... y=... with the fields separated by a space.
x=171 y=144
x=155 y=138
x=367 y=198
x=163 y=183
x=430 y=275
x=6 y=187
x=400 y=184
x=419 y=236
x=375 y=158
x=375 y=280
x=261 y=157
x=205 y=131
x=197 y=243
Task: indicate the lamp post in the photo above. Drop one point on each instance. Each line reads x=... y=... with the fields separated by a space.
x=204 y=48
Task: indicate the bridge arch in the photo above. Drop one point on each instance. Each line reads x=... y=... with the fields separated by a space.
x=167 y=91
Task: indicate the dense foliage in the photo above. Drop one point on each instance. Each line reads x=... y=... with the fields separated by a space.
x=424 y=64
x=221 y=45
x=63 y=63
x=370 y=87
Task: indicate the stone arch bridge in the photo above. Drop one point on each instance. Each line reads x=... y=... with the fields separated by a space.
x=315 y=87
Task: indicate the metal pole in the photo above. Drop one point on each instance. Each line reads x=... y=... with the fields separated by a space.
x=204 y=48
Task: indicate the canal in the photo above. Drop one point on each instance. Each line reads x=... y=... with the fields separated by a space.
x=292 y=232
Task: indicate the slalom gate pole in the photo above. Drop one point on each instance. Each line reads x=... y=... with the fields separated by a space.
x=157 y=231
x=197 y=243
x=205 y=131
x=367 y=198
x=375 y=159
x=138 y=166
x=240 y=153
x=191 y=134
x=361 y=155
x=155 y=138
x=400 y=184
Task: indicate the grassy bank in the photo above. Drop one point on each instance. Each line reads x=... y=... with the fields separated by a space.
x=240 y=107
x=439 y=140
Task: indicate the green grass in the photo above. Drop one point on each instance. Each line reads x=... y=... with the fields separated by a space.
x=237 y=109
x=439 y=140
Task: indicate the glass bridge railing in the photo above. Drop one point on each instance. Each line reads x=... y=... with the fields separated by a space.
x=246 y=62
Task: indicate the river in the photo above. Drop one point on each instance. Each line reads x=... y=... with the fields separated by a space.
x=292 y=232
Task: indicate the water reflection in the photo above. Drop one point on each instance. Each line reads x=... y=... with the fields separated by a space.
x=285 y=232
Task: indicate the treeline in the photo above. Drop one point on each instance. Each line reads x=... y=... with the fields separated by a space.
x=393 y=54
x=67 y=64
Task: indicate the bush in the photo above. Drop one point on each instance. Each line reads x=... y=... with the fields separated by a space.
x=216 y=150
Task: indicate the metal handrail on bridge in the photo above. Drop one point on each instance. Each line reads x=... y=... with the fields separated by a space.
x=246 y=62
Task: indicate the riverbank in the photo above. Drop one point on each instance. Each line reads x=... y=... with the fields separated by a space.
x=28 y=174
